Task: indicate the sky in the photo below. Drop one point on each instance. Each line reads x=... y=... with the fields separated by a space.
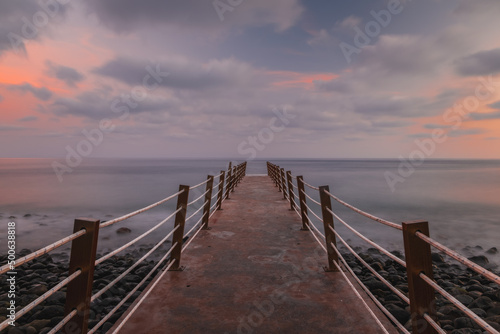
x=412 y=79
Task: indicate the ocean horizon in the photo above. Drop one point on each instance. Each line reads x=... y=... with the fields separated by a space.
x=459 y=198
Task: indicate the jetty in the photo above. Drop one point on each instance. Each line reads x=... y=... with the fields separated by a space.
x=261 y=256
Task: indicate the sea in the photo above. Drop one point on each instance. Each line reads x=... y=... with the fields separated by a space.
x=459 y=198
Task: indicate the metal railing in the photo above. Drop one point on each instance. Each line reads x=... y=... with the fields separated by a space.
x=422 y=287
x=84 y=251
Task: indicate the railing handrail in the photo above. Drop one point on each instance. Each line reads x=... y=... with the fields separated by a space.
x=277 y=177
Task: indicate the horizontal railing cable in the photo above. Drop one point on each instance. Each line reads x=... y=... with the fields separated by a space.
x=310 y=186
x=373 y=271
x=190 y=240
x=126 y=272
x=130 y=243
x=377 y=246
x=317 y=239
x=434 y=324
x=312 y=199
x=42 y=251
x=199 y=184
x=361 y=212
x=196 y=212
x=63 y=322
x=122 y=218
x=368 y=292
x=194 y=226
x=40 y=299
x=198 y=198
x=144 y=296
x=460 y=258
x=474 y=317
x=107 y=316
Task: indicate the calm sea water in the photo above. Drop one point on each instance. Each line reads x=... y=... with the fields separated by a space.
x=460 y=199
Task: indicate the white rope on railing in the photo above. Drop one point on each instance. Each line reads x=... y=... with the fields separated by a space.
x=191 y=239
x=63 y=322
x=214 y=196
x=434 y=324
x=117 y=330
x=122 y=218
x=40 y=299
x=374 y=272
x=213 y=212
x=380 y=248
x=460 y=258
x=293 y=185
x=458 y=304
x=198 y=198
x=194 y=213
x=199 y=184
x=312 y=199
x=315 y=215
x=107 y=316
x=113 y=282
x=194 y=226
x=213 y=206
x=118 y=250
x=368 y=292
x=310 y=186
x=361 y=212
x=42 y=251
x=315 y=237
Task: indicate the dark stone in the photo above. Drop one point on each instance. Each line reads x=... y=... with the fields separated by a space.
x=437 y=258
x=475 y=287
x=465 y=299
x=123 y=230
x=399 y=313
x=492 y=250
x=51 y=311
x=479 y=311
x=38 y=289
x=480 y=260
x=463 y=322
x=482 y=302
x=39 y=324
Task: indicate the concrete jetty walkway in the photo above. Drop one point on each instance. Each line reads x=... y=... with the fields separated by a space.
x=254 y=271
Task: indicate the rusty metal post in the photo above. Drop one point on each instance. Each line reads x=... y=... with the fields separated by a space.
x=283 y=183
x=180 y=221
x=326 y=204
x=302 y=199
x=79 y=291
x=208 y=202
x=228 y=181
x=419 y=260
x=233 y=179
x=268 y=169
x=221 y=190
x=290 y=188
x=278 y=178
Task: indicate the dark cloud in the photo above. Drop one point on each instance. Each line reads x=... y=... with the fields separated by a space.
x=11 y=128
x=17 y=18
x=28 y=119
x=67 y=74
x=40 y=93
x=180 y=73
x=481 y=63
x=335 y=85
x=127 y=15
x=495 y=105
x=465 y=132
x=476 y=116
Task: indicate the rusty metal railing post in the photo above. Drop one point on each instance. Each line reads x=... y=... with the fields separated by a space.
x=228 y=181
x=180 y=221
x=220 y=194
x=278 y=178
x=419 y=260
x=283 y=184
x=208 y=202
x=302 y=199
x=79 y=291
x=233 y=178
x=326 y=204
x=290 y=188
x=268 y=169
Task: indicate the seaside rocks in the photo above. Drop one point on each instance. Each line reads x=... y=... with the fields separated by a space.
x=123 y=230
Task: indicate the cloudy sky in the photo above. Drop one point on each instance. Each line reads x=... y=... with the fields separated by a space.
x=237 y=78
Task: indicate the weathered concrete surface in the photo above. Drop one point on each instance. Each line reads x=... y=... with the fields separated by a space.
x=253 y=272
